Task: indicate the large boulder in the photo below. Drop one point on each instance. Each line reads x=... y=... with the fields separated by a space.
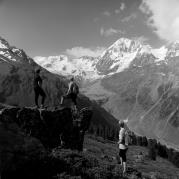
x=52 y=128
x=26 y=134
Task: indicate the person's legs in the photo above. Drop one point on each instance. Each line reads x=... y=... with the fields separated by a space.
x=43 y=95
x=124 y=161
x=121 y=161
x=120 y=156
x=124 y=167
x=36 y=91
x=74 y=97
x=43 y=98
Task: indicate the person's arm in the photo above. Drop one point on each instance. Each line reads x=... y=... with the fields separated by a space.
x=120 y=137
x=126 y=138
x=40 y=81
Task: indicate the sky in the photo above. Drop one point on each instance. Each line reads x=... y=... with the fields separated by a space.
x=86 y=27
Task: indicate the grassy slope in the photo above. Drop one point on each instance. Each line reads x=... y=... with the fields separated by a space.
x=106 y=152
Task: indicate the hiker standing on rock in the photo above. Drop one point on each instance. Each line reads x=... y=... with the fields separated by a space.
x=38 y=89
x=72 y=93
x=123 y=145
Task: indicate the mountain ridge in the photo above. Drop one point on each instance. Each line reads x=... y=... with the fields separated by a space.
x=16 y=84
x=114 y=59
x=140 y=84
x=145 y=91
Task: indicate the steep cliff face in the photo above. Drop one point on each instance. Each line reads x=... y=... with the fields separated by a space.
x=27 y=134
x=51 y=128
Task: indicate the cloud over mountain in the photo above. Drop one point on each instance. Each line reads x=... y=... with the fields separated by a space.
x=130 y=17
x=81 y=51
x=141 y=39
x=110 y=32
x=121 y=8
x=163 y=17
x=106 y=13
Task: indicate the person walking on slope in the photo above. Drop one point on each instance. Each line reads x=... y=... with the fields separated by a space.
x=72 y=93
x=38 y=89
x=123 y=145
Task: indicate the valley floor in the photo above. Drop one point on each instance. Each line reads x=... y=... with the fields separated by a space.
x=106 y=152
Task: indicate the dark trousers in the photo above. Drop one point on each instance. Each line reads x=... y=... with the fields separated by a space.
x=39 y=91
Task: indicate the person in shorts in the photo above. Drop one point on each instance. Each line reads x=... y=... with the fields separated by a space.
x=123 y=145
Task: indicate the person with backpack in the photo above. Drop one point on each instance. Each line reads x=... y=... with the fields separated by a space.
x=123 y=145
x=38 y=89
x=72 y=93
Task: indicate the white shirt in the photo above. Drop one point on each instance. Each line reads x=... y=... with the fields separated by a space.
x=122 y=134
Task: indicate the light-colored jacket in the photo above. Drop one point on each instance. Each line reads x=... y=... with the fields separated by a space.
x=70 y=87
x=123 y=141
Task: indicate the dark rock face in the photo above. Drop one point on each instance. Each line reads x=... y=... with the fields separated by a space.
x=50 y=127
x=26 y=134
x=17 y=150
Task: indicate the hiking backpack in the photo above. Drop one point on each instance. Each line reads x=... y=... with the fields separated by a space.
x=75 y=88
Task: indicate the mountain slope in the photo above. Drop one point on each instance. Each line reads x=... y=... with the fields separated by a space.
x=138 y=83
x=146 y=95
x=16 y=84
x=136 y=158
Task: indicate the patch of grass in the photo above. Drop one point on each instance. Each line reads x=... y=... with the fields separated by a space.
x=159 y=168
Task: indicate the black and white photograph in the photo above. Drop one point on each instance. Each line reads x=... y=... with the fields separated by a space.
x=89 y=89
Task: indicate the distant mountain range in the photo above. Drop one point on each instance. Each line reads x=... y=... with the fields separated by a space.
x=129 y=80
x=132 y=81
x=118 y=57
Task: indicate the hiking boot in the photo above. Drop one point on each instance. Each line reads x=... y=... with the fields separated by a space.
x=42 y=106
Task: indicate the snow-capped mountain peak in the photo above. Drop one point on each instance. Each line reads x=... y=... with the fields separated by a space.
x=11 y=54
x=3 y=44
x=56 y=64
x=160 y=53
x=124 y=45
x=173 y=49
x=84 y=67
x=147 y=49
x=118 y=57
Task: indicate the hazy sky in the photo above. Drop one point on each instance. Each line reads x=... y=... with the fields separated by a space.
x=81 y=27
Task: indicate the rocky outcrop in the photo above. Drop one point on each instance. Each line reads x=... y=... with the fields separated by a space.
x=26 y=136
x=51 y=128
